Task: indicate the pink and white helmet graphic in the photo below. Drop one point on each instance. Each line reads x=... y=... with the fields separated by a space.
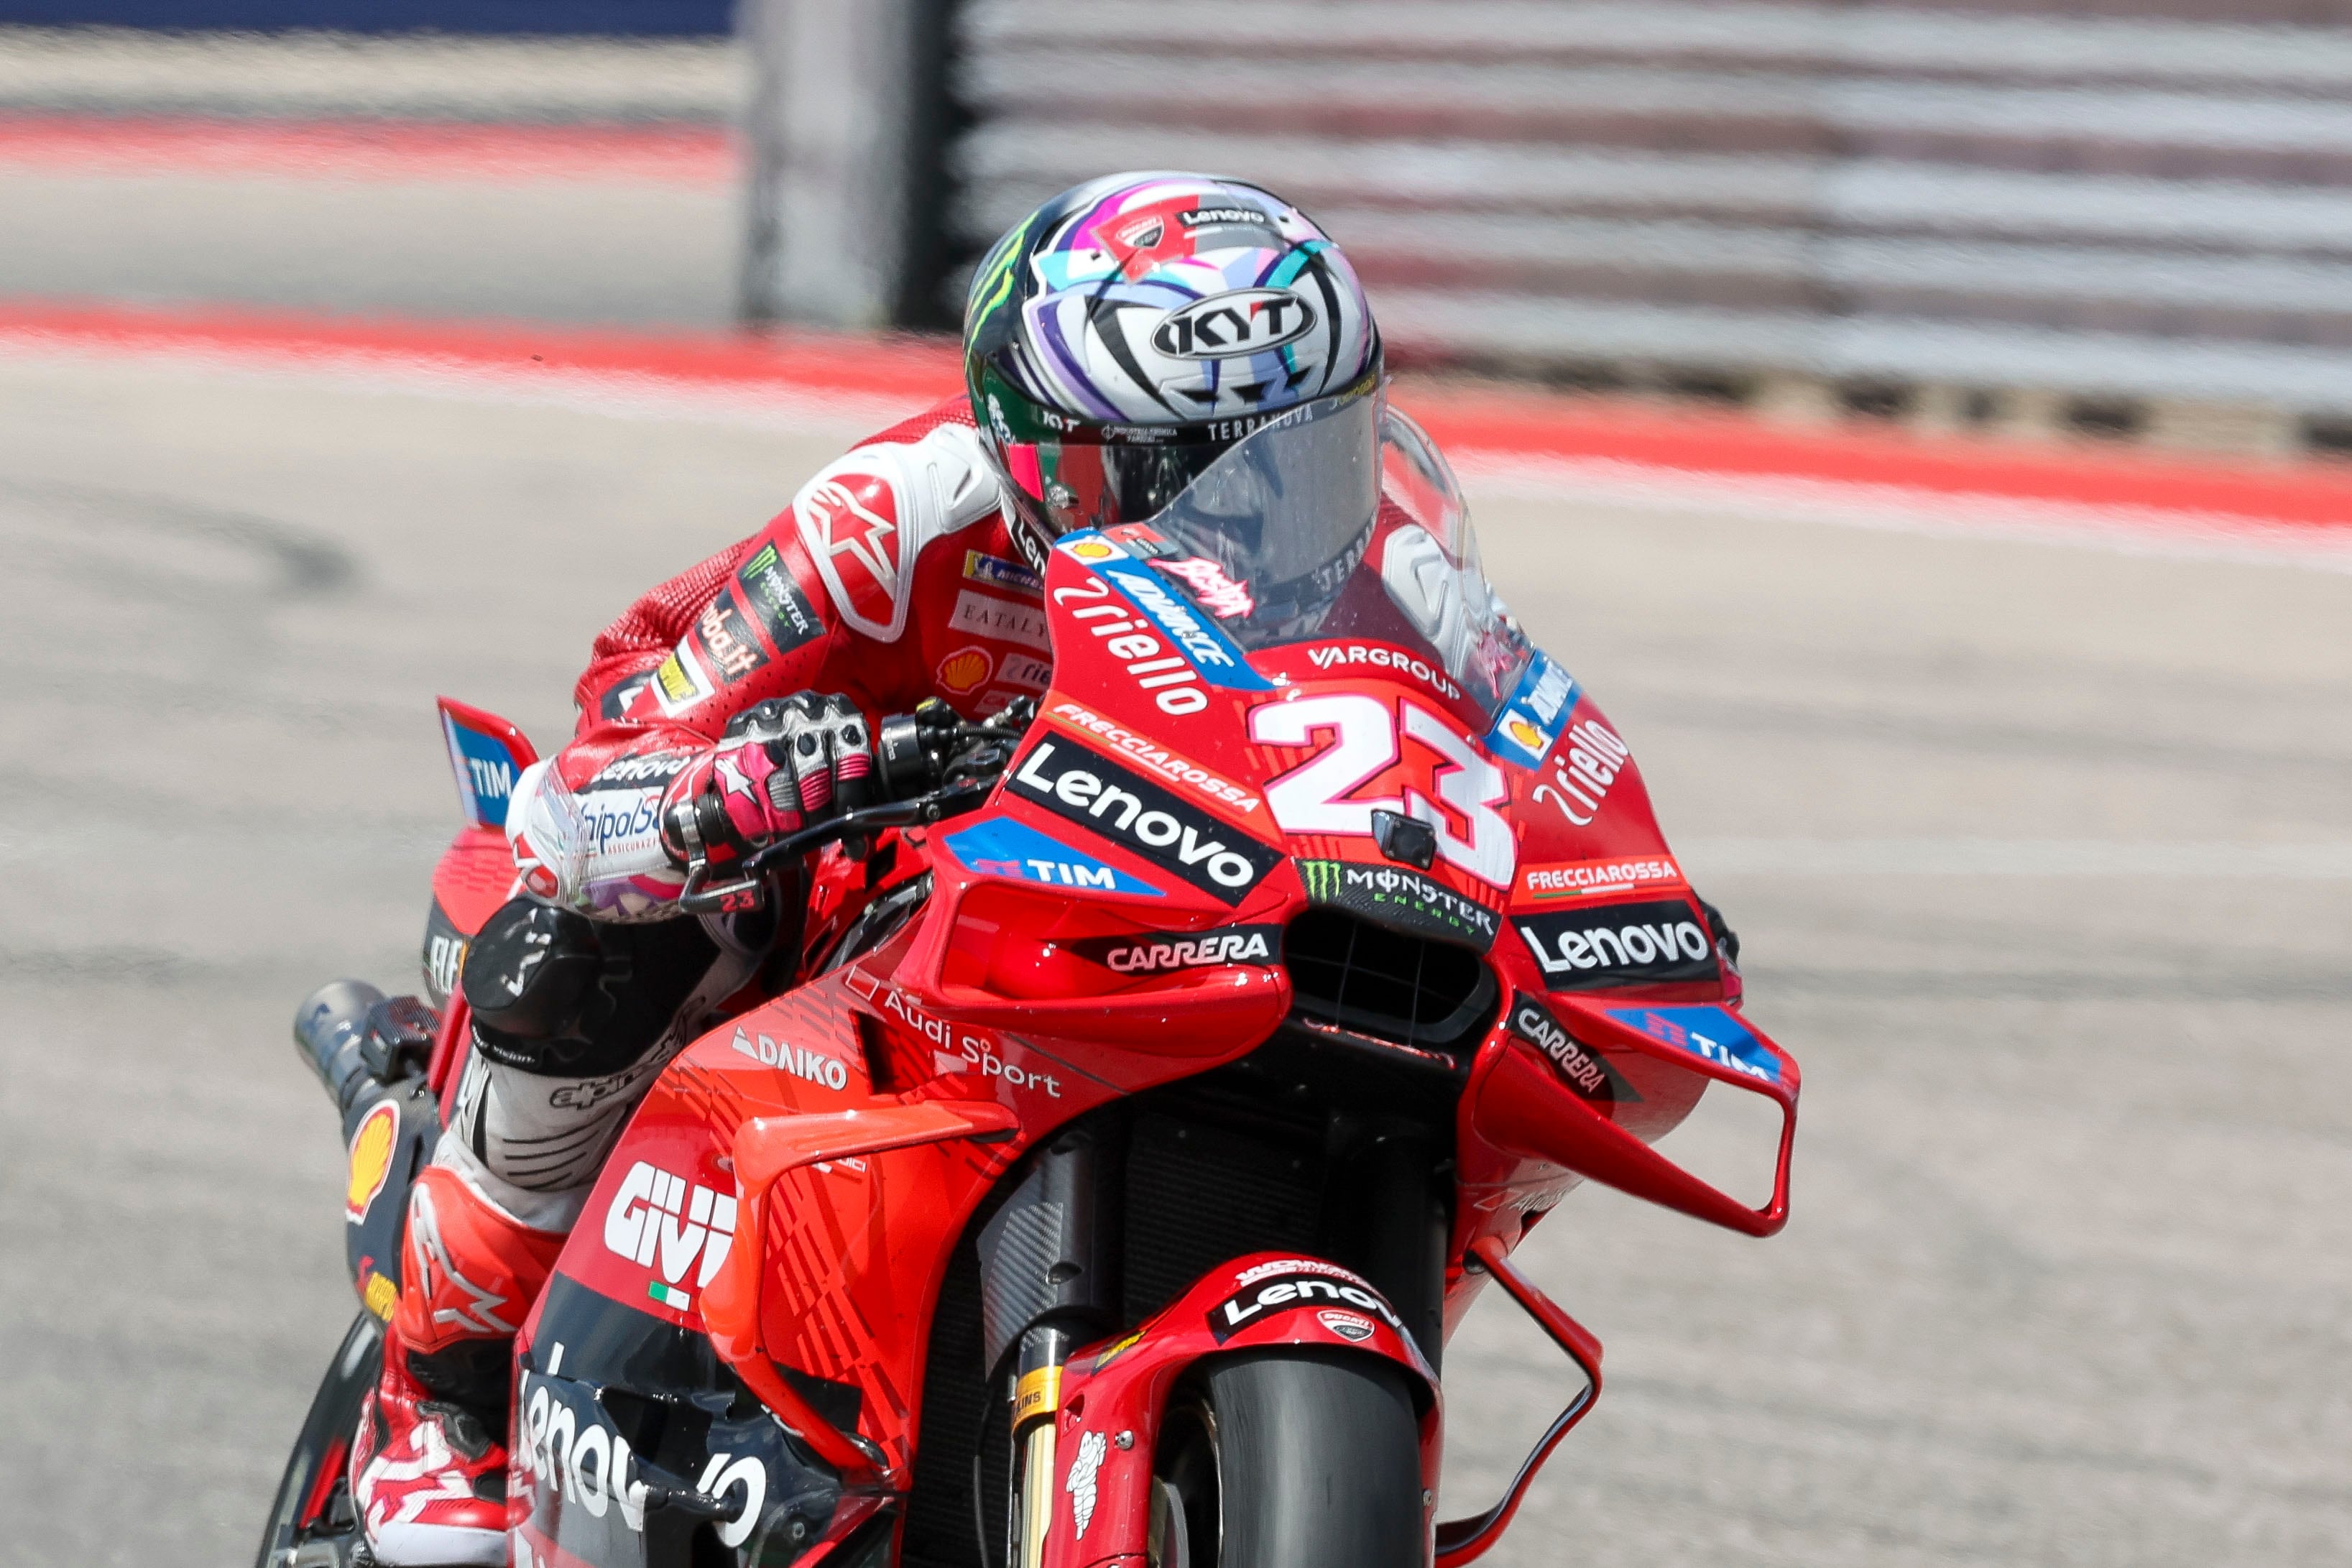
x=1163 y=300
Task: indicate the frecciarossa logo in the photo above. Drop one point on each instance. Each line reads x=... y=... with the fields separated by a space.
x=1618 y=944
x=1132 y=811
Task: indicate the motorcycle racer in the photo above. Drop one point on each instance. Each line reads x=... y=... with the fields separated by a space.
x=1116 y=342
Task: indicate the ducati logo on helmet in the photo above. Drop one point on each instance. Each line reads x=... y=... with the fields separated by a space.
x=1228 y=325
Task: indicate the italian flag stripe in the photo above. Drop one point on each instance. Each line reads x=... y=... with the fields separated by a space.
x=670 y=1296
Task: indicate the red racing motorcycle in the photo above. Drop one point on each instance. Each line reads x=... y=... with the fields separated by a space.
x=1154 y=1081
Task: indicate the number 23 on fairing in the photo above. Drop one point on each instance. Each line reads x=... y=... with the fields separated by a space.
x=1360 y=736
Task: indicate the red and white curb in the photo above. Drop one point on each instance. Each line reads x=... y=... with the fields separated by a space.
x=1537 y=445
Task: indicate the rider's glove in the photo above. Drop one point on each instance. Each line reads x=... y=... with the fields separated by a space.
x=780 y=766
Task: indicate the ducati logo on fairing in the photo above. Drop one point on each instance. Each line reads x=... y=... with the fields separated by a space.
x=1239 y=321
x=665 y=1222
x=1263 y=1299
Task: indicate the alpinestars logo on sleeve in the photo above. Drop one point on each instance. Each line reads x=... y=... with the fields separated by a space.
x=849 y=522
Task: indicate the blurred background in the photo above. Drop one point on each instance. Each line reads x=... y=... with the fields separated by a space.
x=1922 y=427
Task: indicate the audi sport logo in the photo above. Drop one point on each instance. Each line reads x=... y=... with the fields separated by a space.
x=1239 y=321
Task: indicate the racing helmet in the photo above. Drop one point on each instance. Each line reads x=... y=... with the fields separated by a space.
x=1122 y=337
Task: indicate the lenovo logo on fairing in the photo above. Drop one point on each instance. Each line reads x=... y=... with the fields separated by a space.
x=1242 y=322
x=1618 y=944
x=1138 y=814
x=1262 y=1299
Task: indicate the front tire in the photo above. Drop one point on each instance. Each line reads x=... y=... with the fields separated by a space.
x=1291 y=1458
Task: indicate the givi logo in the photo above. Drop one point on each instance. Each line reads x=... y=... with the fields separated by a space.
x=668 y=1224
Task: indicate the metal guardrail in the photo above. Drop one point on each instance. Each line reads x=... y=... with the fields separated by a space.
x=1864 y=194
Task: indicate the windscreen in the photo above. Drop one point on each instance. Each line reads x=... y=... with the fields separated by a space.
x=1284 y=539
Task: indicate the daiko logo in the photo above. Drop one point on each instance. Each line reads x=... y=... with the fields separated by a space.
x=668 y=1224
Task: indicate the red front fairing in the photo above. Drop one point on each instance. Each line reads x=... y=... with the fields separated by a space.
x=1110 y=922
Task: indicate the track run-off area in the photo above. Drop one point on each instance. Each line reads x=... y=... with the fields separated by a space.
x=2026 y=778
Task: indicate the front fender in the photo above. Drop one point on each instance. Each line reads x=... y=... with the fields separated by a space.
x=1113 y=1395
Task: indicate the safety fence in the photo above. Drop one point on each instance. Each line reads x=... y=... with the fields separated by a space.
x=1893 y=208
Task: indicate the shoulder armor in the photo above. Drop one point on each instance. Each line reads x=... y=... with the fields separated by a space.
x=868 y=515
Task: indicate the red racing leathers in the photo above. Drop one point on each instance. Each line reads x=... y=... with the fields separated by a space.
x=891 y=577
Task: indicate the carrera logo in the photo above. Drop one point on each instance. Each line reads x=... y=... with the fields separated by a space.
x=1585 y=1072
x=1201 y=950
x=851 y=521
x=1618 y=944
x=1130 y=810
x=1262 y=1301
x=1240 y=321
x=666 y=1223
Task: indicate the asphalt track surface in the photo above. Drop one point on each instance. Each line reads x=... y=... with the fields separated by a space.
x=2042 y=853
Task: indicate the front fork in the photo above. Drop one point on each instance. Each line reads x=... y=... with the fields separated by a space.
x=1037 y=1406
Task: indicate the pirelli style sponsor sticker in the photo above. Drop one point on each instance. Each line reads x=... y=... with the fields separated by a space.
x=1591 y=878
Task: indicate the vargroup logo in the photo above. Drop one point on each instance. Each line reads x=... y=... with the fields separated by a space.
x=1097 y=794
x=666 y=1223
x=1618 y=944
x=1585 y=1072
x=1201 y=950
x=1239 y=321
x=1261 y=1301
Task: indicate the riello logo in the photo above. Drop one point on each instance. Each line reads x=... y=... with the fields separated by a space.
x=672 y=1225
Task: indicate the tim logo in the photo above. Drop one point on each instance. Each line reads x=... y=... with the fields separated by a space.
x=493 y=781
x=669 y=1224
x=1241 y=322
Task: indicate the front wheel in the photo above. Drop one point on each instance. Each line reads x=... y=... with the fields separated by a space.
x=1290 y=1458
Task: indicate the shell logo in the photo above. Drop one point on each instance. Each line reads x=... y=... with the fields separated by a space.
x=1091 y=550
x=965 y=669
x=1526 y=735
x=371 y=1148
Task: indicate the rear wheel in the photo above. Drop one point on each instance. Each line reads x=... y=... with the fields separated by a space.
x=312 y=1524
x=1290 y=1460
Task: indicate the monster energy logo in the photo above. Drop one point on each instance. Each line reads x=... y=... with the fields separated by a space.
x=1400 y=899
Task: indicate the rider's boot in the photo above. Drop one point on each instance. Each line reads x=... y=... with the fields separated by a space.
x=428 y=1467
